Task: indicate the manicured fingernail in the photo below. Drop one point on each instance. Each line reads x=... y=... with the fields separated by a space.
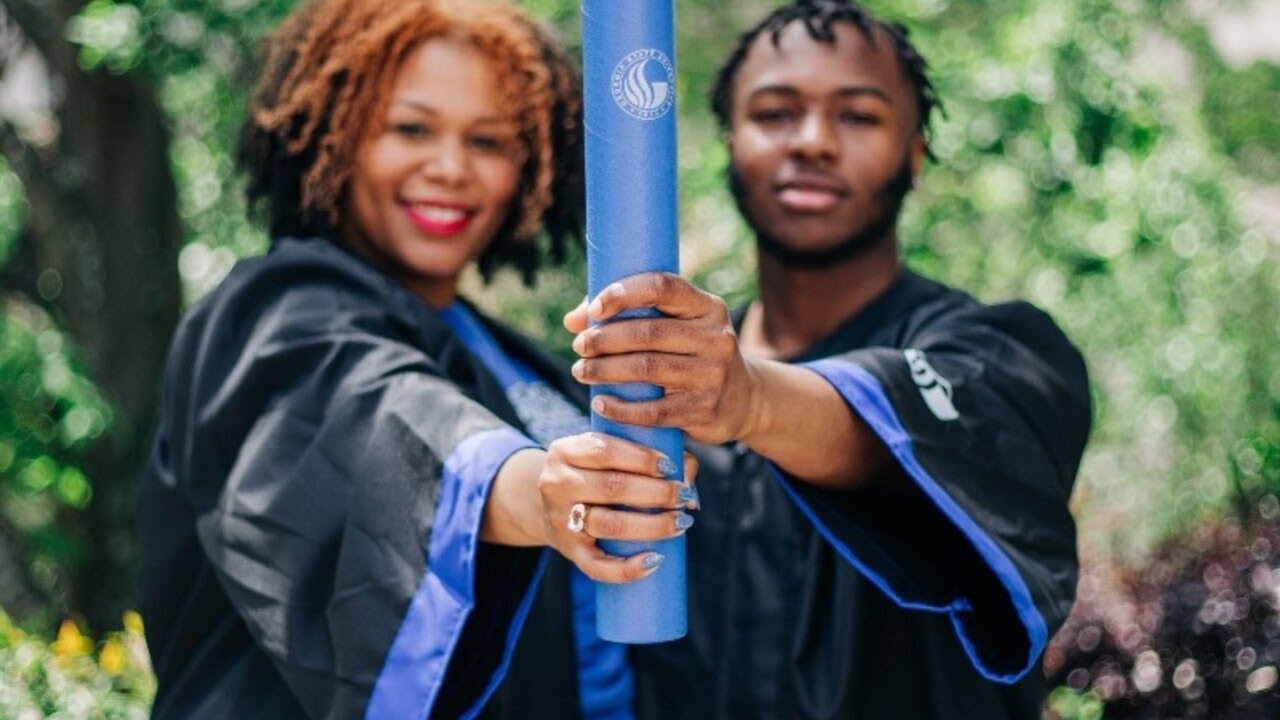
x=666 y=467
x=652 y=561
x=576 y=369
x=689 y=495
x=684 y=521
x=597 y=406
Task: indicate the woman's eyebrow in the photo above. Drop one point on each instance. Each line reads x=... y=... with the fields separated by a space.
x=426 y=108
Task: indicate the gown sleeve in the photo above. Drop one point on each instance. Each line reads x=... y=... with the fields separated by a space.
x=987 y=412
x=338 y=483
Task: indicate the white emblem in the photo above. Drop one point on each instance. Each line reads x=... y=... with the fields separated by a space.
x=636 y=92
x=934 y=388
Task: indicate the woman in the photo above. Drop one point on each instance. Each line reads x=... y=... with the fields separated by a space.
x=345 y=505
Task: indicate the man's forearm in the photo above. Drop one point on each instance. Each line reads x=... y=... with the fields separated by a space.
x=805 y=427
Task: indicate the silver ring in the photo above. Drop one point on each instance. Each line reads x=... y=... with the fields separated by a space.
x=577 y=518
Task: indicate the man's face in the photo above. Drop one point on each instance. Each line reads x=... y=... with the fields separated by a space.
x=824 y=143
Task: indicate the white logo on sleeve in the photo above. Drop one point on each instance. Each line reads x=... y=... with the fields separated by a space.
x=934 y=388
x=639 y=95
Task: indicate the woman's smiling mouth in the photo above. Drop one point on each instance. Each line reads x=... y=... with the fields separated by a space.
x=439 y=218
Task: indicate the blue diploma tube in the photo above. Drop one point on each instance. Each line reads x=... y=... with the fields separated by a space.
x=632 y=227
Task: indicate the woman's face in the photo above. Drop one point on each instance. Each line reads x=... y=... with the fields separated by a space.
x=437 y=180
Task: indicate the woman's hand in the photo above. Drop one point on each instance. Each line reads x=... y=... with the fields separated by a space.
x=586 y=480
x=711 y=391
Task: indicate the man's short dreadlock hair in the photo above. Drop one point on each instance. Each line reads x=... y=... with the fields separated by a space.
x=819 y=17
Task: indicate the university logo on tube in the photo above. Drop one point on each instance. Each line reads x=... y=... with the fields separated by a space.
x=934 y=388
x=644 y=84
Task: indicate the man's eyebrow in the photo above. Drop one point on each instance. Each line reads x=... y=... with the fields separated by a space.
x=847 y=91
x=775 y=90
x=854 y=90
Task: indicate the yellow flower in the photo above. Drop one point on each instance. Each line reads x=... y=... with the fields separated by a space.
x=133 y=622
x=112 y=657
x=70 y=642
x=10 y=632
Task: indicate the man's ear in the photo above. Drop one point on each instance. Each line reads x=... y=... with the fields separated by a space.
x=918 y=150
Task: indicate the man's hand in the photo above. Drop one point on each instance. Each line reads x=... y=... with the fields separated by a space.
x=692 y=353
x=787 y=413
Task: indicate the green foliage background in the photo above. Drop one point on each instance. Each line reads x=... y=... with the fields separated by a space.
x=1097 y=157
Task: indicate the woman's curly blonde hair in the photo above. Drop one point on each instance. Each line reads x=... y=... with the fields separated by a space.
x=330 y=67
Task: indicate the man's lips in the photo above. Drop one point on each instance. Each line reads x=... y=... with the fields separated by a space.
x=439 y=218
x=810 y=194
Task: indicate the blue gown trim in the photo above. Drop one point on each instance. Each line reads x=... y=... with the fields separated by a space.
x=606 y=688
x=415 y=667
x=865 y=394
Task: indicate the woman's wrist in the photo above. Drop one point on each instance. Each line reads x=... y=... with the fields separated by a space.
x=513 y=514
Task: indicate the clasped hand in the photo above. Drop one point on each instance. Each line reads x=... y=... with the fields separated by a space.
x=621 y=493
x=593 y=486
x=692 y=353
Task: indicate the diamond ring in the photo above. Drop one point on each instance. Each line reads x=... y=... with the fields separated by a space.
x=577 y=518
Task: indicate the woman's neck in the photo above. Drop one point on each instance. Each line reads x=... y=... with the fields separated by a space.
x=438 y=292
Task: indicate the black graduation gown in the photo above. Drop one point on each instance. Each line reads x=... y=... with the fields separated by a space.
x=929 y=600
x=310 y=511
x=336 y=404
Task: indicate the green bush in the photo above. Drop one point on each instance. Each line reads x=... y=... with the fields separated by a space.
x=49 y=414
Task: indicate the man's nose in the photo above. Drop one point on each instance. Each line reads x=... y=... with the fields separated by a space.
x=814 y=137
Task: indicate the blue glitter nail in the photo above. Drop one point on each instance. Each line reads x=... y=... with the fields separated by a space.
x=688 y=494
x=667 y=468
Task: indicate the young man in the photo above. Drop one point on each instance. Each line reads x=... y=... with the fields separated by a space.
x=887 y=463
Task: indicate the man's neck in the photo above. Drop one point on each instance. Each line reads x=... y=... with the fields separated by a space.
x=800 y=307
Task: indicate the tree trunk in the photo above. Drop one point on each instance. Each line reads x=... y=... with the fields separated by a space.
x=17 y=597
x=105 y=232
x=121 y=307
